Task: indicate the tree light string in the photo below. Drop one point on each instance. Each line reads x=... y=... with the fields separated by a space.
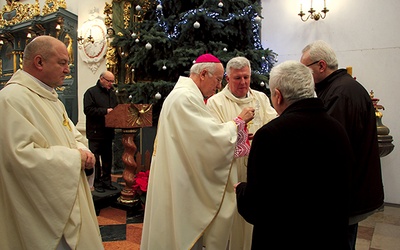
x=256 y=25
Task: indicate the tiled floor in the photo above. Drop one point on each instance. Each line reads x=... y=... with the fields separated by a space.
x=120 y=224
x=380 y=231
x=119 y=229
x=122 y=230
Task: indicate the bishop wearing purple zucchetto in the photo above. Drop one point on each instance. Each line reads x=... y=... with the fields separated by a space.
x=191 y=164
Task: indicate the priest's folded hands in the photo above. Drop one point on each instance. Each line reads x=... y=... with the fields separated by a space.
x=87 y=159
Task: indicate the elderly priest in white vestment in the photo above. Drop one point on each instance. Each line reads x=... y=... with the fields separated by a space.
x=191 y=164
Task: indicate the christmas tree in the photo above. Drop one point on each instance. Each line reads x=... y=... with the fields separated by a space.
x=158 y=41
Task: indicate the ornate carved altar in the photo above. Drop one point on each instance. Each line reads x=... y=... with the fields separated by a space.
x=22 y=22
x=120 y=15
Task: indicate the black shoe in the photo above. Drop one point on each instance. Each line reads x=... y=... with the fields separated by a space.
x=99 y=189
x=109 y=186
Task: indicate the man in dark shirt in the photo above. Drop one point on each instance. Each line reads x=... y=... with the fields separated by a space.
x=98 y=101
x=347 y=101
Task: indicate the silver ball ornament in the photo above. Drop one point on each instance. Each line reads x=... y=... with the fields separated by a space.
x=196 y=25
x=148 y=46
x=157 y=96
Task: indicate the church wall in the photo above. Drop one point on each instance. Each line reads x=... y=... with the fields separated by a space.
x=363 y=34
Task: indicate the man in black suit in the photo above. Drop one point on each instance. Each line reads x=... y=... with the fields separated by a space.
x=296 y=193
x=98 y=101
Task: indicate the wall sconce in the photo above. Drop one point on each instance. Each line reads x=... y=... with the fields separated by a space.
x=29 y=35
x=82 y=40
x=1 y=42
x=58 y=27
x=313 y=15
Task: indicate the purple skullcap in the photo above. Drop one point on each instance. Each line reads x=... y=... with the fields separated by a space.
x=207 y=58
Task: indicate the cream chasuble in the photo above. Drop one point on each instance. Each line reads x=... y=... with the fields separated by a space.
x=44 y=193
x=224 y=106
x=189 y=171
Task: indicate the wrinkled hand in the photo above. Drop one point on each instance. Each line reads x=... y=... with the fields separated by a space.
x=87 y=159
x=247 y=114
x=234 y=186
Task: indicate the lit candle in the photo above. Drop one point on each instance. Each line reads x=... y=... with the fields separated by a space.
x=311 y=4
x=90 y=32
x=301 y=7
x=324 y=4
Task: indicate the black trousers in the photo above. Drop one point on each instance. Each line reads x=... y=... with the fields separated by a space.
x=102 y=150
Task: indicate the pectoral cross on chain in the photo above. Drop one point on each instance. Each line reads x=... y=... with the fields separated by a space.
x=66 y=122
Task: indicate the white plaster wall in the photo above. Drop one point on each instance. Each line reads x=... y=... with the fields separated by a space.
x=87 y=77
x=365 y=35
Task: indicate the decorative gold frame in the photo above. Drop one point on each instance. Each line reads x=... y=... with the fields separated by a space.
x=15 y=12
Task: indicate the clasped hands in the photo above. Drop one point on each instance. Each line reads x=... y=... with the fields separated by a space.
x=87 y=159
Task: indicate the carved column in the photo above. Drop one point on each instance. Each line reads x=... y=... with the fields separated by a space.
x=129 y=118
x=128 y=158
